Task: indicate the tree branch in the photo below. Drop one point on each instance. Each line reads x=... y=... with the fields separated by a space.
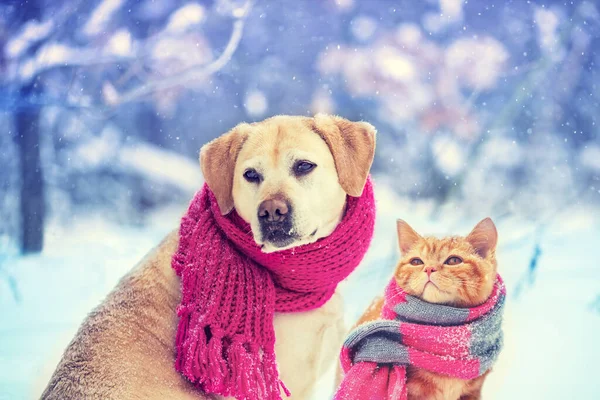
x=89 y=57
x=194 y=72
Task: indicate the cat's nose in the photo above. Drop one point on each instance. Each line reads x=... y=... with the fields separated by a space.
x=430 y=270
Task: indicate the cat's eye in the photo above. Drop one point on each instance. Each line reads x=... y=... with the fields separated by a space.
x=252 y=176
x=453 y=260
x=416 y=261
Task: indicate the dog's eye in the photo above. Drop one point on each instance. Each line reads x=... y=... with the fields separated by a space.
x=416 y=261
x=303 y=167
x=453 y=260
x=252 y=176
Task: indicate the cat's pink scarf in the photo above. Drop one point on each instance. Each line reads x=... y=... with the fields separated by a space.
x=231 y=289
x=459 y=342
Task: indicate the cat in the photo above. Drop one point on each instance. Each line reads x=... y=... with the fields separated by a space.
x=456 y=271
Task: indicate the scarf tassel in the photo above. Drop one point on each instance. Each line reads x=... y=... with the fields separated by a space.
x=181 y=330
x=216 y=372
x=251 y=373
x=234 y=369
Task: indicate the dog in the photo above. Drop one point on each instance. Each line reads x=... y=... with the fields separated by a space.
x=125 y=349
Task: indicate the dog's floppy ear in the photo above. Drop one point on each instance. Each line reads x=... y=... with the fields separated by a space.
x=217 y=160
x=352 y=145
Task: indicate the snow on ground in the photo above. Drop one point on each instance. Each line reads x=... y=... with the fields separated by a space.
x=551 y=348
x=55 y=291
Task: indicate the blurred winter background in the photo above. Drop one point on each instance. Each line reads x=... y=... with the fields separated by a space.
x=483 y=108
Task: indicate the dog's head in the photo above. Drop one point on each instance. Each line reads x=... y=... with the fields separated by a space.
x=288 y=176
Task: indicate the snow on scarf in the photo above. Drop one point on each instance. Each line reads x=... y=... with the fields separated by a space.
x=231 y=289
x=459 y=342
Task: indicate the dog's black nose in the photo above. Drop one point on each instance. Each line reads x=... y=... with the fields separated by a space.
x=275 y=209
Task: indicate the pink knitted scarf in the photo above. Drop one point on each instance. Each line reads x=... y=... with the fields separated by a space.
x=459 y=342
x=231 y=289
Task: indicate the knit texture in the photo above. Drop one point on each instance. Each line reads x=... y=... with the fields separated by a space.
x=231 y=289
x=459 y=342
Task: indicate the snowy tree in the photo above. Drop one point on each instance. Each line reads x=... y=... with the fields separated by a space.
x=460 y=93
x=83 y=64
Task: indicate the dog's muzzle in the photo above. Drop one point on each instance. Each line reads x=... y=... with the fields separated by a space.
x=275 y=218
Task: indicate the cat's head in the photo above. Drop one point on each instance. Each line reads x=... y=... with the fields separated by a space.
x=458 y=271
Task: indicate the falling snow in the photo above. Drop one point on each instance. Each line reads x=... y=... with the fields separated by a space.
x=482 y=109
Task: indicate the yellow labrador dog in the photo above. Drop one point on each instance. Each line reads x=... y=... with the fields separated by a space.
x=125 y=349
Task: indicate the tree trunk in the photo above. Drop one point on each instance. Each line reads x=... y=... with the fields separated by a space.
x=27 y=126
x=33 y=207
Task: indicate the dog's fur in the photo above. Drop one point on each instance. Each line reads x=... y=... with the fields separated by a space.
x=125 y=349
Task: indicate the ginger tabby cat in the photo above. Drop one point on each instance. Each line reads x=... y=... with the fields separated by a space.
x=456 y=271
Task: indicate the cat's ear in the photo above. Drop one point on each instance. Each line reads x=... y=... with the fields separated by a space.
x=484 y=237
x=407 y=237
